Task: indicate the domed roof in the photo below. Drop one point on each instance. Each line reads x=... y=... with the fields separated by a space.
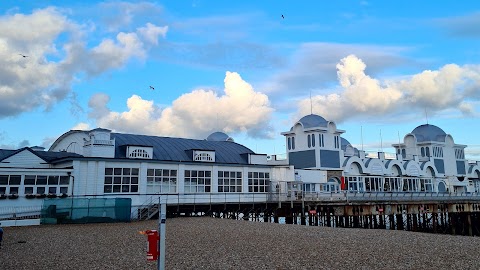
x=425 y=133
x=344 y=143
x=313 y=120
x=219 y=137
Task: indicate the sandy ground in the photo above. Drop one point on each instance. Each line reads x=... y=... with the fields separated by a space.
x=208 y=243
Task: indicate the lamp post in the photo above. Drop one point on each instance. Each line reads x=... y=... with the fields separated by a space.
x=73 y=182
x=73 y=185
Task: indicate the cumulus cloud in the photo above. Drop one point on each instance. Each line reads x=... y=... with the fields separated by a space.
x=450 y=87
x=195 y=114
x=313 y=65
x=57 y=54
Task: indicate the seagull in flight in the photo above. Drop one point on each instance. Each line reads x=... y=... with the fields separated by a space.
x=23 y=55
x=283 y=17
x=151 y=87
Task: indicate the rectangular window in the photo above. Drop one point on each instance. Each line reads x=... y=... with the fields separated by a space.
x=161 y=181
x=121 y=180
x=229 y=181
x=28 y=190
x=258 y=182
x=198 y=181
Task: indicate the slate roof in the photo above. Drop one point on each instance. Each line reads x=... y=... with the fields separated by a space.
x=176 y=149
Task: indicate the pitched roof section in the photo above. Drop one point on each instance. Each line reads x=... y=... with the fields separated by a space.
x=175 y=149
x=46 y=156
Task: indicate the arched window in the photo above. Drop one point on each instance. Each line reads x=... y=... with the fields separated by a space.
x=139 y=153
x=427 y=151
x=309 y=143
x=293 y=143
x=404 y=154
x=422 y=151
x=313 y=140
x=203 y=157
x=289 y=143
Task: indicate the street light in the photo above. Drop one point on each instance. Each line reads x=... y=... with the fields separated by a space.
x=73 y=185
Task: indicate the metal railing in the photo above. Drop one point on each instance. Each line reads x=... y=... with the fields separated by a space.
x=20 y=212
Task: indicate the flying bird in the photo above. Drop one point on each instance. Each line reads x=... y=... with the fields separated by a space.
x=283 y=17
x=24 y=56
x=151 y=87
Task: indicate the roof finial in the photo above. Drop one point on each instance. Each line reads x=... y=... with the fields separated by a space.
x=361 y=135
x=381 y=141
x=426 y=115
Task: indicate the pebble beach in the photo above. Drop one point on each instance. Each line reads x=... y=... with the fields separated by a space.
x=211 y=243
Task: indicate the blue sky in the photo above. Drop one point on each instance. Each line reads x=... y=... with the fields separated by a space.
x=376 y=68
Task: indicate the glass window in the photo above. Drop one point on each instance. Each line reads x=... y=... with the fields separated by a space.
x=122 y=180
x=258 y=181
x=198 y=181
x=159 y=181
x=229 y=181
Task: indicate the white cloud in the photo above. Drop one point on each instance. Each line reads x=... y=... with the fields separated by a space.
x=313 y=64
x=450 y=87
x=81 y=126
x=195 y=114
x=57 y=53
x=151 y=33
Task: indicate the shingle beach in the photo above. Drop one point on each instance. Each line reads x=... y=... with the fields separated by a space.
x=209 y=243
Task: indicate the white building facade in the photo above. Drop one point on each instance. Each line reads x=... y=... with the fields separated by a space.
x=101 y=163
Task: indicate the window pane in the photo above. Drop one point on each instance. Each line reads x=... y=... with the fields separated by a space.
x=108 y=171
x=64 y=180
x=15 y=179
x=108 y=180
x=64 y=190
x=13 y=190
x=107 y=189
x=41 y=180
x=52 y=190
x=125 y=188
x=166 y=172
x=134 y=188
x=117 y=171
x=134 y=171
x=40 y=190
x=134 y=180
x=116 y=188
x=173 y=173
x=117 y=180
x=126 y=180
x=126 y=171
x=208 y=174
x=28 y=190
x=53 y=180
x=150 y=172
x=30 y=179
x=3 y=179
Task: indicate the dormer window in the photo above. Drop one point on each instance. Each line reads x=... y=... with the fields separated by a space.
x=204 y=156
